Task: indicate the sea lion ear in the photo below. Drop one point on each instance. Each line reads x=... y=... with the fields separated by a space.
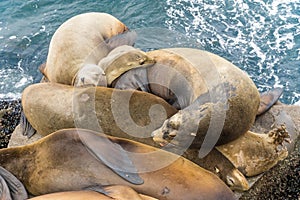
x=268 y=99
x=27 y=129
x=12 y=188
x=112 y=155
x=126 y=38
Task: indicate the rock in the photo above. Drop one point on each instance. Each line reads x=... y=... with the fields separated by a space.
x=18 y=139
x=10 y=112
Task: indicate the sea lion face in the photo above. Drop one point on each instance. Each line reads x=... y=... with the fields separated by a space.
x=91 y=75
x=176 y=131
x=122 y=59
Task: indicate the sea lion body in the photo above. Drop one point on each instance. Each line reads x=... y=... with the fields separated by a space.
x=128 y=114
x=71 y=166
x=119 y=192
x=209 y=90
x=83 y=39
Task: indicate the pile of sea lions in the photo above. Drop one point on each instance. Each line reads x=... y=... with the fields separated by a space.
x=120 y=123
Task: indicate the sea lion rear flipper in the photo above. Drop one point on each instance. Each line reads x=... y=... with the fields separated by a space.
x=268 y=99
x=112 y=155
x=27 y=129
x=126 y=38
x=12 y=188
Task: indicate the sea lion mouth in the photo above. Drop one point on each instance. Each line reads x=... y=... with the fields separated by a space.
x=160 y=139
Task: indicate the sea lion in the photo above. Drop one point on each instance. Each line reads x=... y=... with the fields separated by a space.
x=119 y=192
x=214 y=96
x=50 y=107
x=83 y=40
x=256 y=153
x=78 y=158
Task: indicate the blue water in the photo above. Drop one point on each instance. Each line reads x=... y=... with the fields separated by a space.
x=261 y=37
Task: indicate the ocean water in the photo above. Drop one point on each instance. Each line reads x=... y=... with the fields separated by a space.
x=261 y=37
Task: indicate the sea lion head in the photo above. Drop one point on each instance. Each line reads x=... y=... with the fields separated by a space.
x=174 y=131
x=237 y=181
x=91 y=75
x=122 y=59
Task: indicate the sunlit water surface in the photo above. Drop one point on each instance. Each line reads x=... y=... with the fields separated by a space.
x=260 y=37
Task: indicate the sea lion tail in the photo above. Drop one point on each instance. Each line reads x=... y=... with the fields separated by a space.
x=126 y=38
x=27 y=129
x=268 y=99
x=11 y=187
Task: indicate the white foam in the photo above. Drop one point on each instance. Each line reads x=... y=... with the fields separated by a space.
x=13 y=37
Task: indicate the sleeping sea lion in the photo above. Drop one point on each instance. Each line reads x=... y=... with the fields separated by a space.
x=50 y=107
x=218 y=101
x=256 y=153
x=83 y=40
x=118 y=192
x=78 y=158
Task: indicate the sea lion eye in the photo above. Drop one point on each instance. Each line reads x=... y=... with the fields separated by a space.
x=137 y=57
x=230 y=181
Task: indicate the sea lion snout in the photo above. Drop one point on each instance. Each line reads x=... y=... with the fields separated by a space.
x=90 y=74
x=171 y=132
x=236 y=181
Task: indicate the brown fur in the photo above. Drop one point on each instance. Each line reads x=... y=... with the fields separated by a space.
x=78 y=41
x=50 y=107
x=61 y=162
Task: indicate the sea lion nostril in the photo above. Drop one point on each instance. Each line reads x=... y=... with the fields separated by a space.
x=165 y=134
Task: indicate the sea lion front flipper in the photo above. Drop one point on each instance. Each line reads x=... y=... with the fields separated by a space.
x=27 y=129
x=268 y=99
x=4 y=190
x=112 y=155
x=13 y=188
x=126 y=38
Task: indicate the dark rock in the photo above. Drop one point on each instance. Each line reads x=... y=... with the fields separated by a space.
x=10 y=112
